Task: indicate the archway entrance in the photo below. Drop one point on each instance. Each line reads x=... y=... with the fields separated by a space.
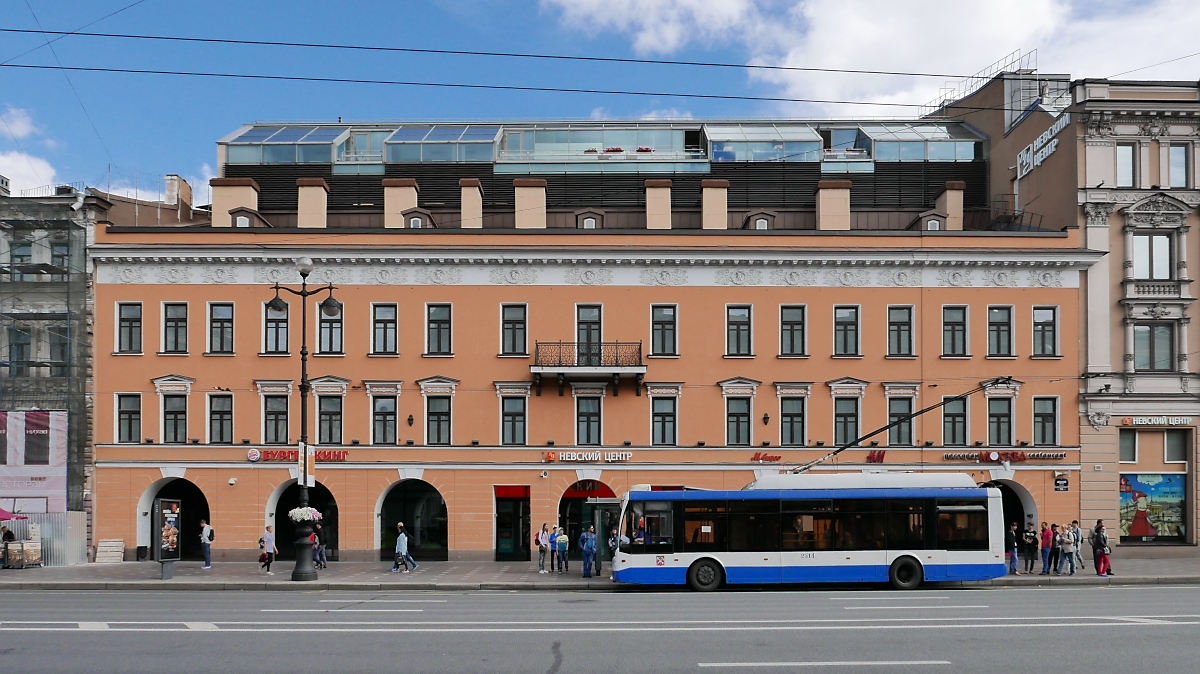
x=319 y=497
x=588 y=502
x=423 y=510
x=193 y=507
x=1019 y=505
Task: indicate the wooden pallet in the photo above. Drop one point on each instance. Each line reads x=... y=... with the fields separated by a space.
x=110 y=551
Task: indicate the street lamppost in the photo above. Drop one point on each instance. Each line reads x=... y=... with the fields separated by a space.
x=305 y=570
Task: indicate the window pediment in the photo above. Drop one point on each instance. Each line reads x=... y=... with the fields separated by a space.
x=1157 y=210
x=173 y=383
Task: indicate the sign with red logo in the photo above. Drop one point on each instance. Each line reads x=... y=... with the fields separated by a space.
x=876 y=456
x=763 y=456
x=660 y=561
x=281 y=455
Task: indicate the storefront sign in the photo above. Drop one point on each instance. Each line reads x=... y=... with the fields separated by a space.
x=1036 y=152
x=1061 y=484
x=1156 y=421
x=281 y=455
x=767 y=458
x=595 y=456
x=166 y=522
x=992 y=456
x=1152 y=507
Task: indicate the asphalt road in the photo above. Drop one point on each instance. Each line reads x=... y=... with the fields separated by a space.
x=1109 y=629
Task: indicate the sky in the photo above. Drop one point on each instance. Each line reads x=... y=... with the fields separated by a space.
x=128 y=130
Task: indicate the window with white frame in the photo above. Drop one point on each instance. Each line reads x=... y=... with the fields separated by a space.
x=220 y=419
x=954 y=331
x=513 y=330
x=174 y=418
x=1126 y=164
x=329 y=332
x=791 y=331
x=1177 y=166
x=437 y=420
x=1000 y=341
x=663 y=330
x=437 y=324
x=1045 y=421
x=275 y=330
x=175 y=328
x=275 y=420
x=329 y=420
x=1045 y=331
x=737 y=331
x=1000 y=421
x=900 y=435
x=737 y=422
x=954 y=423
x=1153 y=347
x=1152 y=256
x=900 y=328
x=129 y=418
x=587 y=420
x=845 y=331
x=383 y=420
x=845 y=420
x=383 y=329
x=512 y=420
x=129 y=327
x=662 y=421
x=220 y=328
x=791 y=421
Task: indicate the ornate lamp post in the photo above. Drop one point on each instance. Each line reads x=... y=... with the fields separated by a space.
x=330 y=307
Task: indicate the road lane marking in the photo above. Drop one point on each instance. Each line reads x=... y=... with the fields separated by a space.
x=904 y=608
x=201 y=627
x=341 y=610
x=93 y=626
x=870 y=598
x=1147 y=621
x=383 y=601
x=834 y=663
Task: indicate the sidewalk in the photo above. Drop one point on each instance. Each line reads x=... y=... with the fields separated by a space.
x=465 y=576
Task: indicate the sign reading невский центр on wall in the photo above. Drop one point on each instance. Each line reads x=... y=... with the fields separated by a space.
x=1043 y=146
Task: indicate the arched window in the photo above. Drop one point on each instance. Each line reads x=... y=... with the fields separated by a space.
x=760 y=223
x=589 y=223
x=416 y=223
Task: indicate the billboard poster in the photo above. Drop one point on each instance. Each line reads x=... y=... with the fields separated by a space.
x=167 y=525
x=33 y=461
x=1152 y=507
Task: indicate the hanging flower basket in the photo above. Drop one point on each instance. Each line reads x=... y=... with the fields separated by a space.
x=305 y=515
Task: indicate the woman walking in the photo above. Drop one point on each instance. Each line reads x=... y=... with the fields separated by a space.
x=543 y=543
x=268 y=551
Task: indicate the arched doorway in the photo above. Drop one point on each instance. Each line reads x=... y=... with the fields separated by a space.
x=423 y=510
x=1019 y=505
x=588 y=502
x=193 y=507
x=319 y=497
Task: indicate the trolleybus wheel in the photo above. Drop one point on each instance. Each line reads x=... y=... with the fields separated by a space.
x=906 y=574
x=705 y=576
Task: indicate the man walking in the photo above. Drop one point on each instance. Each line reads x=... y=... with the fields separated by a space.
x=587 y=545
x=408 y=539
x=206 y=539
x=319 y=551
x=401 y=549
x=1077 y=533
x=1011 y=539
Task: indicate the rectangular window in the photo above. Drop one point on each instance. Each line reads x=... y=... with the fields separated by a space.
x=438 y=328
x=845 y=420
x=383 y=420
x=174 y=419
x=1045 y=331
x=587 y=421
x=1128 y=445
x=1045 y=421
x=1153 y=346
x=845 y=331
x=21 y=254
x=737 y=331
x=1000 y=331
x=662 y=431
x=588 y=331
x=954 y=423
x=791 y=421
x=329 y=420
x=1126 y=166
x=383 y=329
x=954 y=331
x=220 y=328
x=129 y=328
x=791 y=331
x=512 y=330
x=329 y=332
x=276 y=330
x=220 y=420
x=1152 y=257
x=437 y=420
x=60 y=350
x=60 y=255
x=1176 y=447
x=1178 y=173
x=275 y=420
x=900 y=321
x=737 y=421
x=129 y=418
x=901 y=434
x=20 y=351
x=999 y=421
x=175 y=328
x=513 y=421
x=662 y=331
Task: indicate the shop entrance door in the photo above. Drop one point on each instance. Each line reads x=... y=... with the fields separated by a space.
x=606 y=513
x=513 y=536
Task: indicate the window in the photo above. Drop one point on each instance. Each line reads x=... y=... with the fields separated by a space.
x=901 y=434
x=129 y=418
x=437 y=420
x=383 y=329
x=276 y=331
x=175 y=328
x=954 y=423
x=220 y=420
x=174 y=419
x=662 y=422
x=587 y=421
x=275 y=420
x=1152 y=256
x=962 y=525
x=1045 y=421
x=129 y=328
x=383 y=420
x=900 y=321
x=438 y=328
x=737 y=331
x=60 y=257
x=512 y=330
x=954 y=331
x=1177 y=166
x=1128 y=445
x=329 y=332
x=220 y=328
x=999 y=421
x=737 y=421
x=416 y=223
x=791 y=421
x=662 y=331
x=791 y=331
x=845 y=331
x=60 y=350
x=20 y=351
x=845 y=420
x=329 y=420
x=588 y=334
x=1000 y=331
x=1153 y=346
x=760 y=223
x=1045 y=331
x=1176 y=447
x=588 y=222
x=512 y=422
x=21 y=253
x=1126 y=165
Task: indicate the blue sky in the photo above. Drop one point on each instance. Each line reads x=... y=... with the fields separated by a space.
x=161 y=124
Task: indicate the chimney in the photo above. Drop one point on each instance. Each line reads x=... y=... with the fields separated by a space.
x=471 y=215
x=833 y=205
x=530 y=203
x=231 y=193
x=313 y=202
x=179 y=195
x=950 y=202
x=715 y=204
x=658 y=203
x=399 y=195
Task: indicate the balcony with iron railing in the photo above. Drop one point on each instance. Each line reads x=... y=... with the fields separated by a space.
x=588 y=361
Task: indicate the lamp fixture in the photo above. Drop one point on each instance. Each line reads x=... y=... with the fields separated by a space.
x=766 y=418
x=929 y=443
x=410 y=420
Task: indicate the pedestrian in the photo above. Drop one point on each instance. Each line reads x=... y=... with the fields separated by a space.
x=206 y=538
x=553 y=545
x=1055 y=549
x=1077 y=533
x=407 y=553
x=1067 y=546
x=587 y=546
x=562 y=550
x=319 y=552
x=543 y=543
x=1047 y=540
x=401 y=549
x=267 y=544
x=1012 y=547
x=1030 y=538
x=1101 y=551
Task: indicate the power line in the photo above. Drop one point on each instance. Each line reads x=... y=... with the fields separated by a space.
x=61 y=35
x=1154 y=65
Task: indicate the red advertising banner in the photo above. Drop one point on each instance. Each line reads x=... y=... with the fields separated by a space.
x=33 y=461
x=37 y=438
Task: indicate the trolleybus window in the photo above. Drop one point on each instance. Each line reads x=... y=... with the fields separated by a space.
x=808 y=525
x=905 y=524
x=962 y=525
x=704 y=526
x=754 y=526
x=648 y=528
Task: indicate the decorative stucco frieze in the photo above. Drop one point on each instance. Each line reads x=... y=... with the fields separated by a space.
x=738 y=277
x=664 y=277
x=384 y=276
x=439 y=276
x=794 y=277
x=514 y=276
x=278 y=274
x=588 y=277
x=1000 y=278
x=1046 y=279
x=955 y=277
x=220 y=275
x=901 y=278
x=180 y=274
x=129 y=275
x=848 y=278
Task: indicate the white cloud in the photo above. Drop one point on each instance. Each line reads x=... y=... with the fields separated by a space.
x=19 y=123
x=25 y=171
x=599 y=113
x=667 y=113
x=658 y=26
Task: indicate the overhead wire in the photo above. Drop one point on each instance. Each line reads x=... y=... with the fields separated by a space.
x=62 y=35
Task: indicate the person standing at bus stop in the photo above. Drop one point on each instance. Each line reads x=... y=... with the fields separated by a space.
x=587 y=545
x=1030 y=539
x=1012 y=539
x=206 y=539
x=1047 y=537
x=561 y=543
x=543 y=543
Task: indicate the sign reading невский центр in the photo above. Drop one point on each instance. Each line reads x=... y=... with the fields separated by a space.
x=1043 y=146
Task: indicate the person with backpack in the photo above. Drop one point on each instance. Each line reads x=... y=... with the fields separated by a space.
x=1067 y=551
x=1030 y=540
x=206 y=538
x=267 y=545
x=587 y=545
x=562 y=541
x=543 y=545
